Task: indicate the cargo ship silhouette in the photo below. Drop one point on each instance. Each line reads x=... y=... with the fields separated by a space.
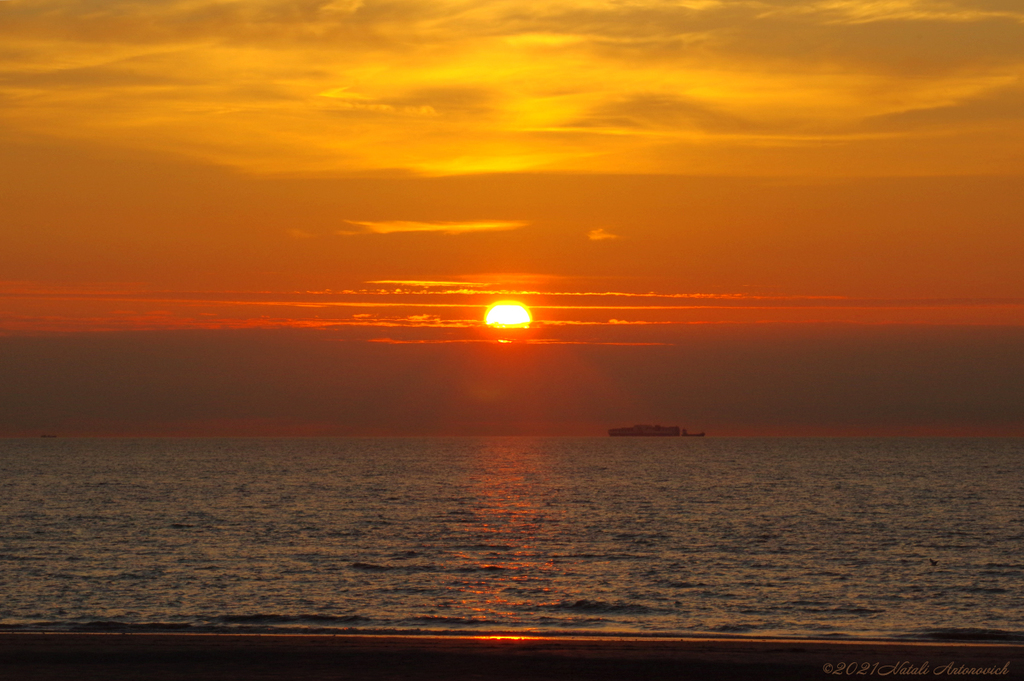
x=657 y=431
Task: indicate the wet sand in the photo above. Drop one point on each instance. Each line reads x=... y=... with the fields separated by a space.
x=206 y=657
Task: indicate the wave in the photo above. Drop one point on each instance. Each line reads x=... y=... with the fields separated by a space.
x=971 y=634
x=584 y=605
x=111 y=625
x=273 y=618
x=845 y=609
x=372 y=567
x=438 y=619
x=733 y=628
x=429 y=567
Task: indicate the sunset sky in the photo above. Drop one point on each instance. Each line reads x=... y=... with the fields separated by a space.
x=264 y=217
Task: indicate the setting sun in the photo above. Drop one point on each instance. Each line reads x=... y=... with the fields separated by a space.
x=508 y=314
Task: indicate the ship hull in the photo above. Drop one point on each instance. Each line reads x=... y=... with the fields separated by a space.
x=645 y=431
x=643 y=434
x=652 y=431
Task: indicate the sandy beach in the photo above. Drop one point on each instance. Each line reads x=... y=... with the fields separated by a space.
x=137 y=656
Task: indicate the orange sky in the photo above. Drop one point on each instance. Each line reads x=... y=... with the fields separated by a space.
x=380 y=172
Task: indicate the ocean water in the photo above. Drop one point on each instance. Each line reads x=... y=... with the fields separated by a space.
x=907 y=537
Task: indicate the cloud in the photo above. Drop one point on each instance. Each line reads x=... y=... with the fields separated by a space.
x=1005 y=105
x=476 y=86
x=428 y=283
x=393 y=226
x=654 y=111
x=600 y=235
x=864 y=11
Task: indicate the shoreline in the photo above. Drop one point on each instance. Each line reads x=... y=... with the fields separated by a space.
x=636 y=637
x=957 y=636
x=167 y=656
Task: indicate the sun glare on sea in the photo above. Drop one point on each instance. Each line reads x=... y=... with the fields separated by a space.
x=505 y=315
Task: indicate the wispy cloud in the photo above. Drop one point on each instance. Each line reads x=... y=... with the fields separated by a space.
x=600 y=235
x=31 y=310
x=469 y=86
x=426 y=283
x=864 y=11
x=395 y=226
x=524 y=341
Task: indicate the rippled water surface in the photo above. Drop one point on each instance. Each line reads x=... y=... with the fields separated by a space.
x=810 y=537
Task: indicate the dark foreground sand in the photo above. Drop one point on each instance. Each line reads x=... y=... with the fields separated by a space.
x=202 y=657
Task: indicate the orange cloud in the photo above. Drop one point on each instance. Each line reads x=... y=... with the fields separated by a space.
x=445 y=87
x=393 y=226
x=600 y=235
x=28 y=309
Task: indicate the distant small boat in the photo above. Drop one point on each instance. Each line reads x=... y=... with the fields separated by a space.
x=641 y=430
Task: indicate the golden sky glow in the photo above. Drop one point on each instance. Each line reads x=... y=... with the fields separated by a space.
x=779 y=87
x=379 y=173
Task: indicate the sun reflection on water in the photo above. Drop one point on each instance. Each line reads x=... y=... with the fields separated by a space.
x=508 y=638
x=501 y=533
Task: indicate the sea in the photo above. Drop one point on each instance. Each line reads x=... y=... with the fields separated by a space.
x=895 y=538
